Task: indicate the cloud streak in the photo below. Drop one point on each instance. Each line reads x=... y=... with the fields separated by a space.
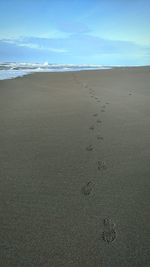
x=77 y=45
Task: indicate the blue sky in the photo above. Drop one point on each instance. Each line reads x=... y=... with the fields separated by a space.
x=107 y=32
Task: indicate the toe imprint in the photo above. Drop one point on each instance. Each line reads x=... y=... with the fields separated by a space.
x=87 y=189
x=102 y=165
x=89 y=148
x=91 y=127
x=99 y=121
x=100 y=137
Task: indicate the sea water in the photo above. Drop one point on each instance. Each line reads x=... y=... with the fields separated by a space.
x=10 y=70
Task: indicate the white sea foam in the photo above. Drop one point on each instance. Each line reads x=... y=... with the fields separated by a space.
x=10 y=74
x=12 y=69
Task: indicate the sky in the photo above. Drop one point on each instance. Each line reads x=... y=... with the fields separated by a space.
x=105 y=32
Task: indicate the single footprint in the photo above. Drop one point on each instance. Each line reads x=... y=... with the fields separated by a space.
x=99 y=121
x=95 y=114
x=109 y=233
x=100 y=137
x=102 y=110
x=103 y=106
x=89 y=148
x=87 y=189
x=130 y=94
x=101 y=165
x=85 y=85
x=96 y=98
x=91 y=127
x=98 y=101
x=107 y=103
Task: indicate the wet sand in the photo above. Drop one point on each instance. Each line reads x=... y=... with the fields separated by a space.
x=75 y=169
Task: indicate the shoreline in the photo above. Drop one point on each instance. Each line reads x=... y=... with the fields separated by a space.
x=64 y=71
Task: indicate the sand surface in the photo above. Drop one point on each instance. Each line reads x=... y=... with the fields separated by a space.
x=75 y=169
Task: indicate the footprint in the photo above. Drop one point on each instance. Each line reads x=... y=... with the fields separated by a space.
x=89 y=148
x=102 y=110
x=130 y=94
x=87 y=189
x=109 y=233
x=101 y=165
x=95 y=114
x=85 y=85
x=99 y=121
x=98 y=101
x=91 y=127
x=104 y=106
x=107 y=103
x=100 y=137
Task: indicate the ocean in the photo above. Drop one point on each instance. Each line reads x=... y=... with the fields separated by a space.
x=10 y=70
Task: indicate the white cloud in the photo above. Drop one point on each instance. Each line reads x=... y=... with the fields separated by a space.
x=37 y=46
x=23 y=42
x=34 y=46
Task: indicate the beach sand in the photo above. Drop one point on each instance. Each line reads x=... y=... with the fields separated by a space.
x=75 y=169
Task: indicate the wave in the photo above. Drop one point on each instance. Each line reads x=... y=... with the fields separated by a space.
x=9 y=70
